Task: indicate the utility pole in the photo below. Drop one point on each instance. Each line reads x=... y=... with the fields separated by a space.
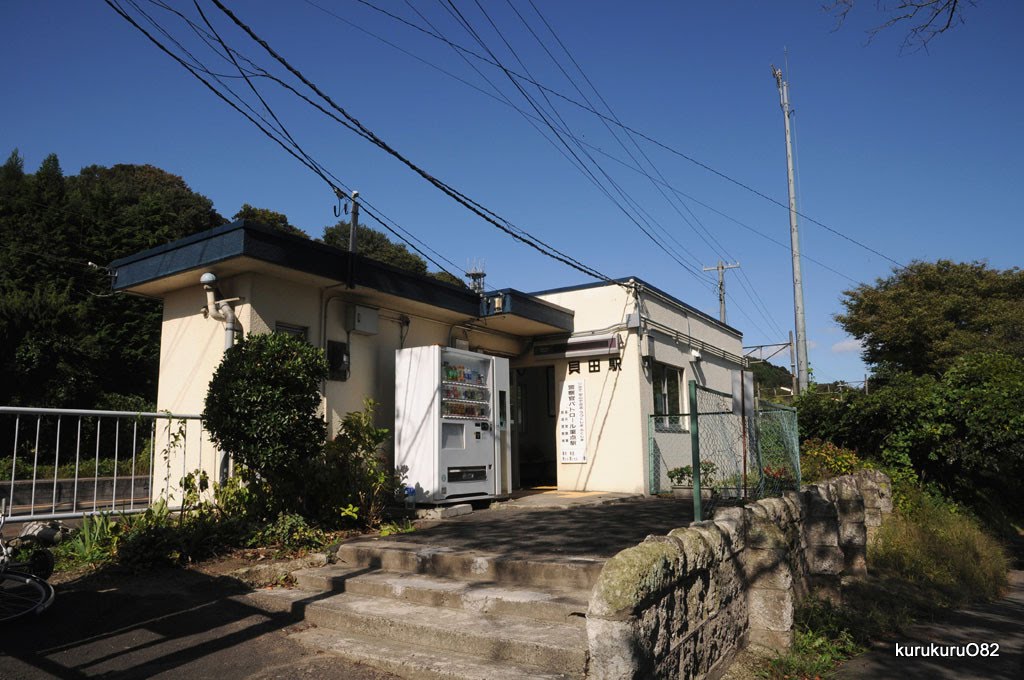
x=792 y=363
x=794 y=237
x=352 y=243
x=720 y=268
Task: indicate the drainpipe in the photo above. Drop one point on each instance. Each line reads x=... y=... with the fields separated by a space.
x=220 y=309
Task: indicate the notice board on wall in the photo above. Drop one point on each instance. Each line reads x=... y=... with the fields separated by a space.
x=572 y=423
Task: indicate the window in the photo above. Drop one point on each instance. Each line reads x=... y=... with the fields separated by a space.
x=667 y=382
x=291 y=329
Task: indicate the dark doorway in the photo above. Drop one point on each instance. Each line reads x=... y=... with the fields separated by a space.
x=536 y=408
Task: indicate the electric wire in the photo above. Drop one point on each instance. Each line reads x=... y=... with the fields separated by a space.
x=298 y=152
x=558 y=134
x=388 y=223
x=465 y=201
x=643 y=136
x=748 y=289
x=597 y=149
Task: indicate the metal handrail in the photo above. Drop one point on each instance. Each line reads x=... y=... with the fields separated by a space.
x=88 y=412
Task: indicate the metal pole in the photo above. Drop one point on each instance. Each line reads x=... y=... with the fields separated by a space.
x=698 y=514
x=352 y=242
x=743 y=428
x=794 y=237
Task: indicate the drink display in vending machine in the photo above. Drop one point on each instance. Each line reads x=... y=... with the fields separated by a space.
x=446 y=433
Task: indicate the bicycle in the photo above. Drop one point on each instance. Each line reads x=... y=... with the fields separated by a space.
x=23 y=586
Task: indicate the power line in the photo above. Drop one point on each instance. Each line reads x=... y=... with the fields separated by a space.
x=465 y=201
x=628 y=128
x=559 y=135
x=504 y=100
x=298 y=152
x=749 y=290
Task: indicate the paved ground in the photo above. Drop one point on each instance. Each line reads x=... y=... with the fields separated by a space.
x=183 y=623
x=168 y=624
x=1000 y=622
x=577 y=526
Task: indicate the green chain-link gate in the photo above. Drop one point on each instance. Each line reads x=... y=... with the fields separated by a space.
x=720 y=456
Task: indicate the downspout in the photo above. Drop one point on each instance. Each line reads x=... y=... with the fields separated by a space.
x=220 y=309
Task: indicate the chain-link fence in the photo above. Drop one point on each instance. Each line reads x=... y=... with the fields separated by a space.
x=736 y=457
x=778 y=445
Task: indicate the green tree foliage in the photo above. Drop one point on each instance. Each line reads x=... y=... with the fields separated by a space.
x=377 y=246
x=354 y=471
x=262 y=407
x=923 y=317
x=270 y=218
x=42 y=349
x=65 y=340
x=963 y=430
x=769 y=375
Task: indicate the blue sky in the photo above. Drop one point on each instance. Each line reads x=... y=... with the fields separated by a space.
x=915 y=154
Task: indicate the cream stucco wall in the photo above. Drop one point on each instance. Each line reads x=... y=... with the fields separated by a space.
x=619 y=403
x=192 y=347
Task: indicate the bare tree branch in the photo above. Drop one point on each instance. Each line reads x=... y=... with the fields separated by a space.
x=924 y=19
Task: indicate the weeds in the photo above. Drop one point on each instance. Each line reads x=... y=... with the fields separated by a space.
x=403 y=526
x=929 y=556
x=937 y=545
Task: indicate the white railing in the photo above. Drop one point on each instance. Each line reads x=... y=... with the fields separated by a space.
x=67 y=463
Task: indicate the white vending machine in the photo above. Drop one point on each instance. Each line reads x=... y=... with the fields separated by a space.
x=451 y=423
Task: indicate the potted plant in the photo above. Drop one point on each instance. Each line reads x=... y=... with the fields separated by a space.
x=681 y=476
x=682 y=480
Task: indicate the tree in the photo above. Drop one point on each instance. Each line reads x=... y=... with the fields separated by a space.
x=376 y=246
x=926 y=315
x=770 y=376
x=270 y=218
x=66 y=341
x=924 y=19
x=262 y=407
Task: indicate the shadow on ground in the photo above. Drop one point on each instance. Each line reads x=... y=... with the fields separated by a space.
x=172 y=622
x=586 y=531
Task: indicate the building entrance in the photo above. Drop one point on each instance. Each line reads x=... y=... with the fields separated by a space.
x=536 y=410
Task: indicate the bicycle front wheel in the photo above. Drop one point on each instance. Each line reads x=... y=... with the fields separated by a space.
x=23 y=594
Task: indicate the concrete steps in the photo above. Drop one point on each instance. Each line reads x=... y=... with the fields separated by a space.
x=411 y=661
x=422 y=611
x=555 y=605
x=579 y=573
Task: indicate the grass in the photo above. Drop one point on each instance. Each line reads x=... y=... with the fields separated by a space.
x=927 y=558
x=87 y=468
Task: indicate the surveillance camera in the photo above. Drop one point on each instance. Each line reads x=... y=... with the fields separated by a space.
x=208 y=279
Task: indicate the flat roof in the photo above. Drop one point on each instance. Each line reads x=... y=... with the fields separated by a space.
x=636 y=279
x=243 y=246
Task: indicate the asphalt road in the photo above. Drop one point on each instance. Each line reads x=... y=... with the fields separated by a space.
x=1000 y=623
x=173 y=623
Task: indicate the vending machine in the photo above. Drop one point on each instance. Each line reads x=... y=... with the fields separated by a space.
x=451 y=423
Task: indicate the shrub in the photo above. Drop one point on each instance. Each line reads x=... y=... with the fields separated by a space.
x=936 y=544
x=289 y=532
x=355 y=473
x=262 y=408
x=821 y=460
x=681 y=476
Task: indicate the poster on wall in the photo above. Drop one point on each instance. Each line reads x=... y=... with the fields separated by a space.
x=572 y=423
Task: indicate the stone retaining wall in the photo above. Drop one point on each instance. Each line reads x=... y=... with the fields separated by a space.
x=679 y=606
